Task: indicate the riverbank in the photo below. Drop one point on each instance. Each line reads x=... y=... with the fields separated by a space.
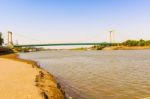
x=5 y=50
x=126 y=48
x=114 y=48
x=24 y=79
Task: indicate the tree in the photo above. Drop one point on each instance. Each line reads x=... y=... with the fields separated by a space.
x=130 y=43
x=141 y=42
x=1 y=39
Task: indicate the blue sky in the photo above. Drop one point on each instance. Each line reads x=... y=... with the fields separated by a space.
x=40 y=21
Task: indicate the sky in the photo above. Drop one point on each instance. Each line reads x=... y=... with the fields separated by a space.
x=59 y=21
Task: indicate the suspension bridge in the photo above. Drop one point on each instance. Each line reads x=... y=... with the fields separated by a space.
x=10 y=43
x=62 y=44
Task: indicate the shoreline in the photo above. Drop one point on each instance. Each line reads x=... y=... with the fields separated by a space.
x=127 y=48
x=44 y=81
x=113 y=48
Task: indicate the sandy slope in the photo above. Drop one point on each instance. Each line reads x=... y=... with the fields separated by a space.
x=17 y=80
x=24 y=79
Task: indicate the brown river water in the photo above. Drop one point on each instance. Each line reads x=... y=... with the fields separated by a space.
x=98 y=74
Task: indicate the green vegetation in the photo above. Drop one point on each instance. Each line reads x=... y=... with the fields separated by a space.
x=129 y=44
x=1 y=39
x=97 y=47
x=136 y=43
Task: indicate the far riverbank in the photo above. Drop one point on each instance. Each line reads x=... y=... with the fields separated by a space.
x=114 y=48
x=127 y=48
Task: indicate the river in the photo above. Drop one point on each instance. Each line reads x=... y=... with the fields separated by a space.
x=98 y=74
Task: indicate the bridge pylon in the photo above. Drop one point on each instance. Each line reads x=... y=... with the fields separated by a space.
x=112 y=36
x=10 y=41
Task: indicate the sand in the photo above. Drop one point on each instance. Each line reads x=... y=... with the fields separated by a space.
x=127 y=48
x=23 y=80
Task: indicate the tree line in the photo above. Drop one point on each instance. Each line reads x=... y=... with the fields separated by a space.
x=1 y=39
x=140 y=42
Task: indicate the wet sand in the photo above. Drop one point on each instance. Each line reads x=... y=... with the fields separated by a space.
x=23 y=79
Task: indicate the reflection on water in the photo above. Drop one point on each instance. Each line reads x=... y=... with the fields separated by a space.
x=99 y=74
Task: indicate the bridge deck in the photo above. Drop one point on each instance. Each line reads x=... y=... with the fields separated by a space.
x=62 y=44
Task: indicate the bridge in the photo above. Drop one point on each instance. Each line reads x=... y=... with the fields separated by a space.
x=10 y=43
x=63 y=44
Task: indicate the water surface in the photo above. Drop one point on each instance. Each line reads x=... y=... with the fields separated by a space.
x=98 y=74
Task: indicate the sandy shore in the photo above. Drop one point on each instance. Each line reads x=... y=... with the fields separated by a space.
x=127 y=48
x=22 y=79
